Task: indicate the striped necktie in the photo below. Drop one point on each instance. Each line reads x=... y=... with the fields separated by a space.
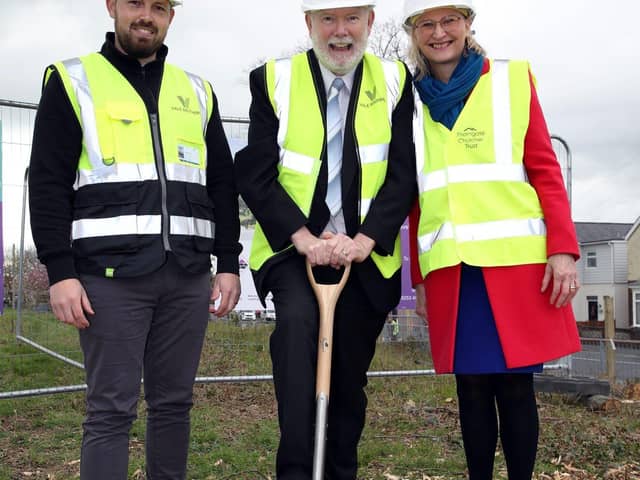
x=334 y=148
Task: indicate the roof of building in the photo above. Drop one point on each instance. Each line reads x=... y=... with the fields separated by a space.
x=632 y=230
x=589 y=232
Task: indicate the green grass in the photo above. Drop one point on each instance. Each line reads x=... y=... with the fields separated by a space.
x=412 y=430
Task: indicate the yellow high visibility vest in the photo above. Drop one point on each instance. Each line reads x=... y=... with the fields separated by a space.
x=124 y=146
x=476 y=204
x=302 y=138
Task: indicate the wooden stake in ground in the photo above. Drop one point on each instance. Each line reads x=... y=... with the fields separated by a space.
x=610 y=335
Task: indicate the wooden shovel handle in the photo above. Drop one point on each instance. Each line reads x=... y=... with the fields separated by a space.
x=327 y=296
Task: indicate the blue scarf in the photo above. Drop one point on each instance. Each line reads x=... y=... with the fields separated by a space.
x=446 y=100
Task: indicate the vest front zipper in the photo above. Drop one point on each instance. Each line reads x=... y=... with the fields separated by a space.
x=162 y=178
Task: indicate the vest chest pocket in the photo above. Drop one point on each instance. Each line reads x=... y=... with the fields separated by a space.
x=189 y=151
x=185 y=160
x=124 y=134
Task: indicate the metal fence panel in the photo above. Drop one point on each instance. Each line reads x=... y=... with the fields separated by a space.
x=32 y=331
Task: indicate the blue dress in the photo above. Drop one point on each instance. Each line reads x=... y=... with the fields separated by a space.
x=478 y=348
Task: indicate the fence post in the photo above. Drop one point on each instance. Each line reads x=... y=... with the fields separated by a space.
x=21 y=269
x=610 y=335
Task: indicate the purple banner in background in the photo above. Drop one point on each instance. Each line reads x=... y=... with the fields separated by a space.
x=1 y=230
x=408 y=294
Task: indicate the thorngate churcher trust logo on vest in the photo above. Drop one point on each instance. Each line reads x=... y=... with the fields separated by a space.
x=372 y=95
x=471 y=137
x=184 y=106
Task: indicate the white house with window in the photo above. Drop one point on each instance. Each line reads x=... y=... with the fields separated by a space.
x=633 y=255
x=603 y=270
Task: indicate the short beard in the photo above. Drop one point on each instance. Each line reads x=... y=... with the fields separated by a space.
x=323 y=52
x=140 y=52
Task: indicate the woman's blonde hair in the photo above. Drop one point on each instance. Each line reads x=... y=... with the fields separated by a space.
x=419 y=62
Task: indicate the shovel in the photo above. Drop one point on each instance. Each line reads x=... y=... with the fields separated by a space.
x=327 y=296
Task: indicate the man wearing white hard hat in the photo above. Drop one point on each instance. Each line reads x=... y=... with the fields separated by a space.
x=493 y=246
x=328 y=174
x=129 y=160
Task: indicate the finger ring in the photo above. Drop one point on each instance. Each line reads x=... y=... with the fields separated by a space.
x=572 y=287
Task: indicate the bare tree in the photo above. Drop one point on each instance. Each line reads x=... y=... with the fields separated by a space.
x=388 y=40
x=299 y=47
x=35 y=281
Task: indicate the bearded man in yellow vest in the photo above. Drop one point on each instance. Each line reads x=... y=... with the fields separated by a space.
x=131 y=192
x=328 y=175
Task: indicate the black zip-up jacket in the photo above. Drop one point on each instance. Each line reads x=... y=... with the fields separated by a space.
x=57 y=144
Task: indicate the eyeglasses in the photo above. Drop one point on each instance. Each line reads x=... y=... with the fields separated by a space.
x=447 y=23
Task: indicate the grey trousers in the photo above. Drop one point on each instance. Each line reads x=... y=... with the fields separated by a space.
x=151 y=326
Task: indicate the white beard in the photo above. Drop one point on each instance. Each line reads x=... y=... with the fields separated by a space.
x=345 y=62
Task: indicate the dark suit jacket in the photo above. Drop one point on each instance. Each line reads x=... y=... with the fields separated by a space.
x=256 y=173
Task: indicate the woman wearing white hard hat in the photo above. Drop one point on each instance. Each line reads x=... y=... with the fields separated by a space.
x=493 y=245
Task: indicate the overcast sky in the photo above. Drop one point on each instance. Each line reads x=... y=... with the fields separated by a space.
x=585 y=59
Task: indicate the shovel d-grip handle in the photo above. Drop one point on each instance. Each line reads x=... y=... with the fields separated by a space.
x=327 y=296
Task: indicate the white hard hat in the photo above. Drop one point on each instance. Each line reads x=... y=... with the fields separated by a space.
x=309 y=5
x=415 y=7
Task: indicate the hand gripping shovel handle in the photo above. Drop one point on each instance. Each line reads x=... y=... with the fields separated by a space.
x=327 y=296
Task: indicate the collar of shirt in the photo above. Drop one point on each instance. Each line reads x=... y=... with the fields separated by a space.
x=328 y=76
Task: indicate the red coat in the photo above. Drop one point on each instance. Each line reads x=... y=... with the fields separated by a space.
x=531 y=330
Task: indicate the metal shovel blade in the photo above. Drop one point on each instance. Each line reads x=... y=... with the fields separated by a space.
x=322 y=406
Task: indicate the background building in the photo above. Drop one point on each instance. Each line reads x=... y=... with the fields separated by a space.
x=609 y=266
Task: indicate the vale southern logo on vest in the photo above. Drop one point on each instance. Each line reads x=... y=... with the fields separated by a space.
x=372 y=95
x=184 y=106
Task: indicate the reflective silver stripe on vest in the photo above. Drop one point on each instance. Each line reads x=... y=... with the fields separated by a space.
x=80 y=84
x=379 y=153
x=140 y=225
x=489 y=172
x=370 y=154
x=418 y=136
x=500 y=229
x=118 y=172
x=282 y=87
x=445 y=232
x=296 y=161
x=392 y=80
x=197 y=227
x=374 y=153
x=483 y=231
x=183 y=173
x=122 y=225
x=501 y=96
x=201 y=92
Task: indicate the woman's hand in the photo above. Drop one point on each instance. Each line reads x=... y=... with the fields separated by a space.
x=561 y=269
